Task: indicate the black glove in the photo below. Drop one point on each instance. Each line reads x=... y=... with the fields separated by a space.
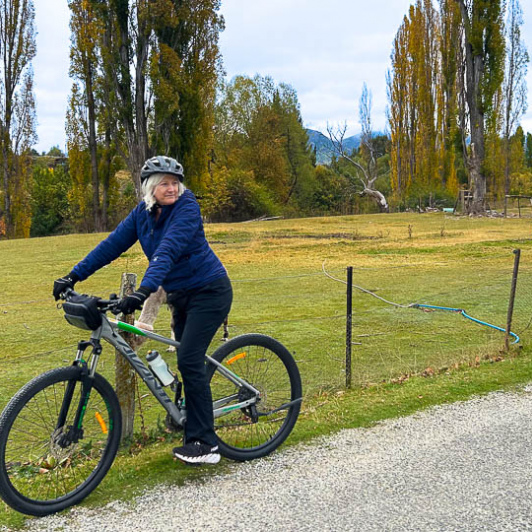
x=129 y=304
x=61 y=284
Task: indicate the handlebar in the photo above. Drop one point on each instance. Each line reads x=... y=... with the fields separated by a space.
x=102 y=304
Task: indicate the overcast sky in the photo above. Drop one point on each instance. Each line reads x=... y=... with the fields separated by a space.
x=325 y=50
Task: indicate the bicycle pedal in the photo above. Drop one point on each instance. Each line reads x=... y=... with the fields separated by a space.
x=171 y=425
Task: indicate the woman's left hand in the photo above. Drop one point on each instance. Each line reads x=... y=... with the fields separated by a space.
x=129 y=304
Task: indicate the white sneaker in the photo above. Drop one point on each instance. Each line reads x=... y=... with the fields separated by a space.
x=197 y=453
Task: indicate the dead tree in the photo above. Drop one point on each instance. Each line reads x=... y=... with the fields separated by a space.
x=366 y=175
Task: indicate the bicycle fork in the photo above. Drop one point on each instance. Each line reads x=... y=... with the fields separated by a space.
x=65 y=436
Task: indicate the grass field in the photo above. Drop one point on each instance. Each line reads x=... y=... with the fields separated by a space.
x=277 y=268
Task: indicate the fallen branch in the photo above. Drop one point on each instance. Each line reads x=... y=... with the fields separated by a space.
x=262 y=219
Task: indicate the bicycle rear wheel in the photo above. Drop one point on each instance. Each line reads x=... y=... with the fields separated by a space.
x=257 y=430
x=43 y=469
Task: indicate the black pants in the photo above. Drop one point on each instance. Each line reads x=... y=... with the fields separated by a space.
x=197 y=315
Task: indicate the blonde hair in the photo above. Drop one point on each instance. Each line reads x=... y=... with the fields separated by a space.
x=149 y=186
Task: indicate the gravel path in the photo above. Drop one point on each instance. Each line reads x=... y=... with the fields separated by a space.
x=461 y=467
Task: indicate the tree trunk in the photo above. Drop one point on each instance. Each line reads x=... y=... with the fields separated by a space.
x=507 y=165
x=96 y=212
x=140 y=104
x=377 y=197
x=7 y=193
x=474 y=70
x=7 y=163
x=476 y=157
x=124 y=373
x=106 y=178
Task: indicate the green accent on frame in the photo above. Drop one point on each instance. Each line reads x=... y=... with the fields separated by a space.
x=82 y=415
x=129 y=328
x=229 y=408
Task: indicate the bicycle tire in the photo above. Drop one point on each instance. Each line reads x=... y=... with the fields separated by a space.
x=39 y=473
x=268 y=366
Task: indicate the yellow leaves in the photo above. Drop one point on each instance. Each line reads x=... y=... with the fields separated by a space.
x=166 y=76
x=163 y=13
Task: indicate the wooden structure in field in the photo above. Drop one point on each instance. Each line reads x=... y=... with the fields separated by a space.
x=527 y=200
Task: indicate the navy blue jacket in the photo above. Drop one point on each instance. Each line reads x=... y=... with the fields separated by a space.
x=179 y=255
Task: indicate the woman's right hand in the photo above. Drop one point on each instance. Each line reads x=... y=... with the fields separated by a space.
x=61 y=284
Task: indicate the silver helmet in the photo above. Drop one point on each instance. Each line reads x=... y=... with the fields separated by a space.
x=160 y=164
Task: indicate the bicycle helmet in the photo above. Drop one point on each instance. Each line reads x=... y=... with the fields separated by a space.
x=161 y=164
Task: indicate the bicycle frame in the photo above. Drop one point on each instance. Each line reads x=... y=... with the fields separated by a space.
x=109 y=332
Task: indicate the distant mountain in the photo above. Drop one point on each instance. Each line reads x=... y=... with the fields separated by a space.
x=324 y=147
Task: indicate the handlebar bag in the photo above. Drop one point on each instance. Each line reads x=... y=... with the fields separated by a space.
x=82 y=311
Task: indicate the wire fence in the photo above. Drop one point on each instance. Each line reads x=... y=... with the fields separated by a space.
x=307 y=311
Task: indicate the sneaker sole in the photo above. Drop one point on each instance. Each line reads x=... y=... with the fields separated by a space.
x=198 y=460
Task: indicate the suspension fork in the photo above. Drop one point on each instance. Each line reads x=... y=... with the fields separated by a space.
x=75 y=431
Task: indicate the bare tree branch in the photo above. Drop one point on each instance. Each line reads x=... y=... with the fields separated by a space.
x=336 y=137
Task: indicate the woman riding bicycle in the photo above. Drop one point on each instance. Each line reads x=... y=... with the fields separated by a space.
x=169 y=226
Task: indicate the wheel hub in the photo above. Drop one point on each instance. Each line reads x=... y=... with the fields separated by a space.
x=61 y=442
x=250 y=411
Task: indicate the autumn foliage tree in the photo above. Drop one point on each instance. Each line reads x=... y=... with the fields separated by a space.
x=144 y=76
x=448 y=105
x=185 y=64
x=160 y=61
x=17 y=113
x=261 y=158
x=417 y=103
x=451 y=165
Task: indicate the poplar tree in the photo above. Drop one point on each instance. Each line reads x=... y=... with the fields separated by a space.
x=398 y=82
x=413 y=91
x=184 y=68
x=125 y=51
x=17 y=111
x=515 y=87
x=160 y=61
x=77 y=135
x=450 y=143
x=86 y=30
x=528 y=150
x=480 y=79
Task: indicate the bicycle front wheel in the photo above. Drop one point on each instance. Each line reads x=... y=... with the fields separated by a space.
x=264 y=363
x=45 y=468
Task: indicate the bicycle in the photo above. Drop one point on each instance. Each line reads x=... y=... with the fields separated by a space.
x=60 y=433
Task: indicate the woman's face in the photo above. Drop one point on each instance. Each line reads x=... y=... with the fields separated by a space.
x=167 y=191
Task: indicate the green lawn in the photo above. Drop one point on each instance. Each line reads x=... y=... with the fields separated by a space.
x=280 y=289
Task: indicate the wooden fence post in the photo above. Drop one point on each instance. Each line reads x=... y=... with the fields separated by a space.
x=124 y=374
x=349 y=326
x=517 y=256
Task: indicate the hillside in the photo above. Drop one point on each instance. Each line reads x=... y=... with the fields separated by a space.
x=324 y=146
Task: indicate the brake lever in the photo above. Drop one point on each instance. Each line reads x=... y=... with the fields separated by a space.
x=66 y=292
